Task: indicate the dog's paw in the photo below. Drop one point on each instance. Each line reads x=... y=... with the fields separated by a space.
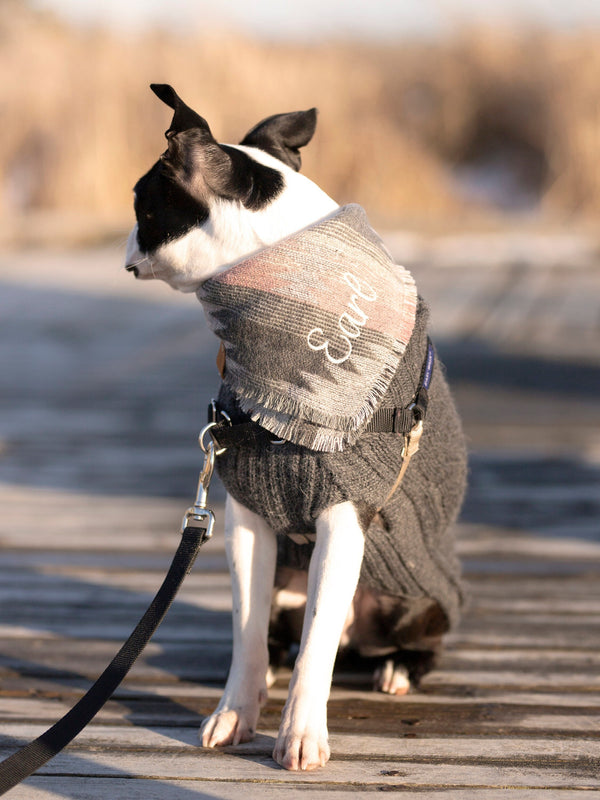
x=391 y=678
x=301 y=747
x=302 y=751
x=230 y=726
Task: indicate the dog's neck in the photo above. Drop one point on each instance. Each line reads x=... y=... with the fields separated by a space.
x=235 y=232
x=311 y=335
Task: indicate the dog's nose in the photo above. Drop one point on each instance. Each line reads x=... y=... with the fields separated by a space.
x=132 y=268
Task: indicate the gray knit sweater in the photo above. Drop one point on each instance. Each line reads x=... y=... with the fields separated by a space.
x=409 y=550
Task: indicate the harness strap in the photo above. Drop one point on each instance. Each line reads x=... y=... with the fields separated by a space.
x=419 y=409
x=34 y=755
x=391 y=420
x=228 y=433
x=411 y=445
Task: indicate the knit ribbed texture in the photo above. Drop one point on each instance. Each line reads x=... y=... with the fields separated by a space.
x=314 y=328
x=410 y=548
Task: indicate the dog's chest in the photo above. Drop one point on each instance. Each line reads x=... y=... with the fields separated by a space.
x=290 y=485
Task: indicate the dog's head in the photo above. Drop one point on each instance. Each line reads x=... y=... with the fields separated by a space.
x=204 y=205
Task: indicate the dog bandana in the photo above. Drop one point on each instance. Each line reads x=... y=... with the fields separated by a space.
x=314 y=328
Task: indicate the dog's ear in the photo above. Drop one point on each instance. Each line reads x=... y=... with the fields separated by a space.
x=194 y=159
x=282 y=135
x=184 y=117
x=201 y=166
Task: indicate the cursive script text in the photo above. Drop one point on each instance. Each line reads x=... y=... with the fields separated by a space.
x=350 y=323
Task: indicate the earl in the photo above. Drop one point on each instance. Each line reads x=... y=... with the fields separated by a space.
x=349 y=323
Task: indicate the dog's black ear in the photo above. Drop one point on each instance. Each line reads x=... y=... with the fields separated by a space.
x=194 y=158
x=201 y=166
x=282 y=135
x=184 y=117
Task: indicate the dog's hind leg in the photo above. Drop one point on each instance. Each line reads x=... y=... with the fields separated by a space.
x=332 y=579
x=251 y=552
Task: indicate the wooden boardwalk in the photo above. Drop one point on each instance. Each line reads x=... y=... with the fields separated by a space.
x=87 y=529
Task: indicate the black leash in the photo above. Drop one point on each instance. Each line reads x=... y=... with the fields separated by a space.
x=195 y=531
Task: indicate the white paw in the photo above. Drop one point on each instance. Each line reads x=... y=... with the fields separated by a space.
x=233 y=722
x=302 y=751
x=229 y=726
x=392 y=678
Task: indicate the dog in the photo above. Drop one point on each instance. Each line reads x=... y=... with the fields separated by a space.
x=325 y=549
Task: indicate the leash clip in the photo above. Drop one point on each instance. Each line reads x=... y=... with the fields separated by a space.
x=198 y=515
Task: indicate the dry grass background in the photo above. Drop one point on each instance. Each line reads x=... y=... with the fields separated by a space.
x=397 y=123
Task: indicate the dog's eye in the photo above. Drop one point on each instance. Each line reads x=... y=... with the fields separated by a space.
x=148 y=215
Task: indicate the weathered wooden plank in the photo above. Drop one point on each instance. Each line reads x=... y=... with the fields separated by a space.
x=458 y=658
x=459 y=716
x=39 y=595
x=30 y=590
x=485 y=635
x=514 y=675
x=190 y=614
x=207 y=626
x=215 y=594
x=80 y=522
x=208 y=658
x=84 y=588
x=145 y=557
x=17 y=697
x=107 y=599
x=558 y=607
x=77 y=561
x=520 y=569
x=513 y=588
x=483 y=672
x=31 y=593
x=577 y=687
x=202 y=629
x=514 y=678
x=518 y=301
x=587 y=625
x=530 y=547
x=434 y=696
x=195 y=623
x=527 y=586
x=451 y=748
x=341 y=772
x=58 y=788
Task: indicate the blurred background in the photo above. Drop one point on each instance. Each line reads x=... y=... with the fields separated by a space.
x=437 y=113
x=468 y=129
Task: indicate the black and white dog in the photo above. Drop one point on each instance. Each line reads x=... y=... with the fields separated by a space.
x=201 y=209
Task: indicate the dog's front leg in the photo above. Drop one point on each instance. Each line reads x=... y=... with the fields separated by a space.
x=332 y=579
x=251 y=552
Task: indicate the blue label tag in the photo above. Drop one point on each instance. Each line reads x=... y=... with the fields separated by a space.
x=428 y=365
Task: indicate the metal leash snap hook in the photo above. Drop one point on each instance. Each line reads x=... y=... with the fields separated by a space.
x=198 y=515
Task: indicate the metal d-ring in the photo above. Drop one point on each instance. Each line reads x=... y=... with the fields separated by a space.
x=204 y=447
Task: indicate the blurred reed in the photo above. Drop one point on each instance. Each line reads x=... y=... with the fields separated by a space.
x=411 y=131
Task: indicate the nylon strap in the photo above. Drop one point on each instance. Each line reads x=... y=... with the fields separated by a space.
x=34 y=755
x=412 y=438
x=226 y=433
